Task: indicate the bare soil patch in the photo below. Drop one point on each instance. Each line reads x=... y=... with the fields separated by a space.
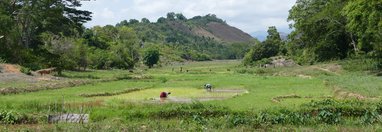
x=8 y=68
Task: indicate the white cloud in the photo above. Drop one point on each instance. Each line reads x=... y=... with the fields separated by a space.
x=107 y=14
x=248 y=15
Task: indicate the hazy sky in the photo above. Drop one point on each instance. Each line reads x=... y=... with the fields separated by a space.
x=248 y=15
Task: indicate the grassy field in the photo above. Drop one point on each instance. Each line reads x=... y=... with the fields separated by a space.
x=134 y=99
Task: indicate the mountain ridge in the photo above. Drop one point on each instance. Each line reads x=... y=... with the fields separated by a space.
x=208 y=26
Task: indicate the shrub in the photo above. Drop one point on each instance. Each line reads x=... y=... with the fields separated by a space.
x=151 y=57
x=10 y=117
x=329 y=117
x=238 y=119
x=26 y=70
x=371 y=117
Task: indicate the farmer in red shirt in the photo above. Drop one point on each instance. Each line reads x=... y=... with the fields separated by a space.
x=164 y=95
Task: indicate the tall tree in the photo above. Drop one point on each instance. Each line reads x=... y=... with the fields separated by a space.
x=171 y=16
x=151 y=57
x=125 y=49
x=31 y=18
x=274 y=40
x=320 y=32
x=270 y=47
x=365 y=21
x=180 y=16
x=145 y=20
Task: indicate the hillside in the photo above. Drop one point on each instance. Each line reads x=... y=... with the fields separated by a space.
x=209 y=26
x=125 y=44
x=198 y=38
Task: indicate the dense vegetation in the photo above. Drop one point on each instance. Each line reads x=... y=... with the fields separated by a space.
x=326 y=30
x=40 y=34
x=336 y=29
x=272 y=46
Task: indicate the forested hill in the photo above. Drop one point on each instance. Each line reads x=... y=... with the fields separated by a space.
x=53 y=35
x=178 y=38
x=174 y=25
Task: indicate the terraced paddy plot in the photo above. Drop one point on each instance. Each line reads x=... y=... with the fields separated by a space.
x=134 y=99
x=178 y=95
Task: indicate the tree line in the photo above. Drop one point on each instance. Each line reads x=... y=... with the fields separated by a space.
x=50 y=33
x=325 y=30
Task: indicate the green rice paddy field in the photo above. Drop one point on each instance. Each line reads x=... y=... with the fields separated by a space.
x=238 y=95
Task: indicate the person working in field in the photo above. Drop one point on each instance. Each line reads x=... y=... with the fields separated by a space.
x=208 y=87
x=164 y=95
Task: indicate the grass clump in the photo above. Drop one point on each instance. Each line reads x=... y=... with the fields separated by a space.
x=361 y=63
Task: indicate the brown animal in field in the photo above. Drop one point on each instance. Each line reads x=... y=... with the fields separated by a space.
x=45 y=71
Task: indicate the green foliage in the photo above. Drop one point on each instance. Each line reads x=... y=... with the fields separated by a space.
x=11 y=117
x=62 y=50
x=320 y=35
x=329 y=117
x=203 y=20
x=361 y=63
x=26 y=70
x=8 y=117
x=335 y=29
x=313 y=113
x=145 y=20
x=365 y=21
x=272 y=46
x=151 y=57
x=192 y=55
x=28 y=20
x=371 y=117
x=175 y=33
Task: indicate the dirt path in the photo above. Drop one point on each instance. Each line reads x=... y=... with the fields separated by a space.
x=331 y=69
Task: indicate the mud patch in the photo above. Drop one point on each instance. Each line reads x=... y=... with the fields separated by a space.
x=185 y=100
x=179 y=95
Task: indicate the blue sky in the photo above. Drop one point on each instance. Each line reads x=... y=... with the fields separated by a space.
x=251 y=16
